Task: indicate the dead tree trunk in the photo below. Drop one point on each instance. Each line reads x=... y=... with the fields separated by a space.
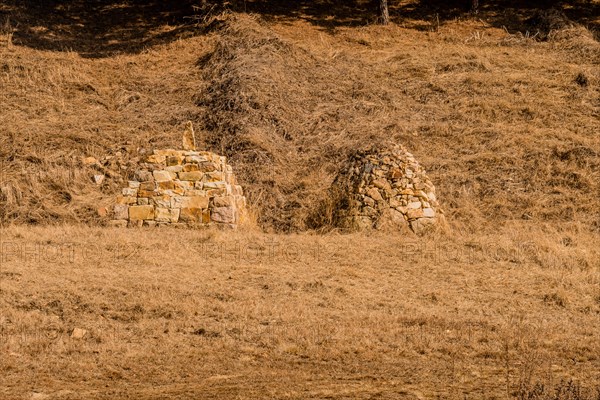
x=384 y=13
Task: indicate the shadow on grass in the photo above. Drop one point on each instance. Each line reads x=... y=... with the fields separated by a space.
x=100 y=28
x=97 y=28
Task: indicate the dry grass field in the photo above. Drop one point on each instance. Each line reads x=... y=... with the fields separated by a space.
x=202 y=314
x=503 y=113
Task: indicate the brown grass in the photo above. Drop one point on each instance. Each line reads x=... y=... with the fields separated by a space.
x=506 y=125
x=242 y=315
x=506 y=305
x=481 y=112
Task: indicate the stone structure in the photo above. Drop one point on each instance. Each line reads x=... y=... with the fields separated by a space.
x=385 y=188
x=181 y=187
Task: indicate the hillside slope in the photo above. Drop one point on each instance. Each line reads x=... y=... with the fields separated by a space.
x=506 y=304
x=507 y=126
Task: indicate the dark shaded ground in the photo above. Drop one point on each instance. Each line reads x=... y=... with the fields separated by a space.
x=100 y=28
x=97 y=28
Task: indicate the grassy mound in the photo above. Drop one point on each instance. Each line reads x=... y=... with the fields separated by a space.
x=507 y=134
x=285 y=116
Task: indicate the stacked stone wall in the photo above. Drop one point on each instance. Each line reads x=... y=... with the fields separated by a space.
x=385 y=188
x=181 y=187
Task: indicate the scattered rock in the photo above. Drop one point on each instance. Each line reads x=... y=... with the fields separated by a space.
x=89 y=161
x=98 y=179
x=78 y=333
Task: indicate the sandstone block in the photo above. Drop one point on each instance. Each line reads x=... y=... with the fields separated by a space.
x=141 y=212
x=177 y=201
x=89 y=161
x=382 y=184
x=163 y=201
x=195 y=192
x=174 y=168
x=240 y=202
x=163 y=176
x=146 y=189
x=190 y=176
x=143 y=201
x=129 y=192
x=422 y=195
x=175 y=160
x=150 y=224
x=369 y=201
x=206 y=216
x=208 y=166
x=402 y=209
x=418 y=185
x=142 y=175
x=191 y=215
x=223 y=215
x=414 y=213
x=156 y=159
x=230 y=178
x=184 y=185
x=147 y=186
x=214 y=176
x=78 y=333
x=126 y=200
x=217 y=192
x=195 y=159
x=374 y=194
x=189 y=138
x=144 y=193
x=166 y=185
x=414 y=205
x=98 y=179
x=121 y=211
x=237 y=190
x=195 y=201
x=133 y=184
x=395 y=173
x=180 y=187
x=166 y=214
x=397 y=217
x=223 y=201
x=429 y=212
x=214 y=185
x=190 y=167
